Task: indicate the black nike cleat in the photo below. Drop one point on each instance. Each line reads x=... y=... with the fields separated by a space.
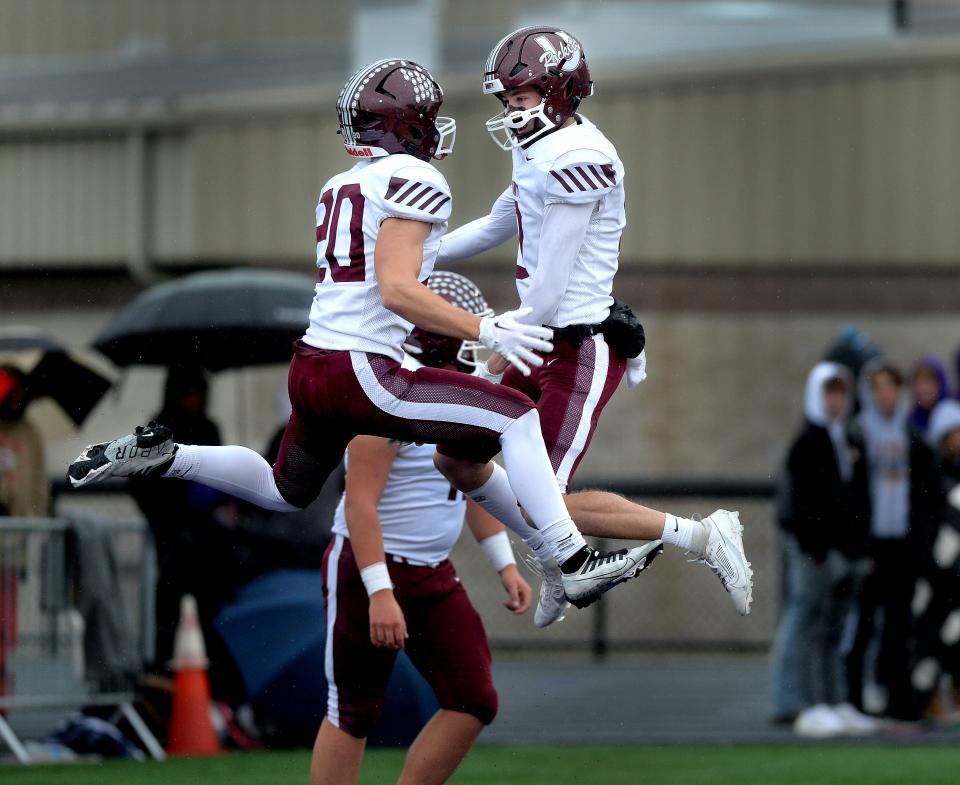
x=602 y=571
x=148 y=449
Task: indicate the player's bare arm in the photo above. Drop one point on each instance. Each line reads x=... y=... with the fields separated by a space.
x=370 y=458
x=491 y=535
x=398 y=258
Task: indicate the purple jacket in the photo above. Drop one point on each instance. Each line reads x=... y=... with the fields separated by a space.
x=919 y=417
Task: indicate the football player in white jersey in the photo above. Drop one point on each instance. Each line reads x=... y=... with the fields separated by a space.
x=398 y=509
x=379 y=226
x=566 y=204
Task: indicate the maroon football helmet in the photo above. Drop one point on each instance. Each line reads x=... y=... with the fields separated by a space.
x=436 y=350
x=550 y=60
x=391 y=107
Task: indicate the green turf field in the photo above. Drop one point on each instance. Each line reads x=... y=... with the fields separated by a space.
x=588 y=765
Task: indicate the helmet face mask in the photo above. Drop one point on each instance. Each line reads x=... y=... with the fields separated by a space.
x=441 y=351
x=504 y=128
x=546 y=59
x=392 y=106
x=447 y=129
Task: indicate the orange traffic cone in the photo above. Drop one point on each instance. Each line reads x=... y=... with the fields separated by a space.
x=191 y=730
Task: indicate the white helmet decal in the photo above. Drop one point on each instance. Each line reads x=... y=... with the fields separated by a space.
x=569 y=54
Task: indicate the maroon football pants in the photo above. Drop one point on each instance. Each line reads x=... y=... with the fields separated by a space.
x=337 y=395
x=447 y=642
x=570 y=390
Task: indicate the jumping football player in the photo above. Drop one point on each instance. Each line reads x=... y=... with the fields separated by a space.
x=379 y=226
x=398 y=509
x=566 y=203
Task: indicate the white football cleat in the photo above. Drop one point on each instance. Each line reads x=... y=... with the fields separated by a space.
x=148 y=447
x=723 y=553
x=602 y=571
x=553 y=602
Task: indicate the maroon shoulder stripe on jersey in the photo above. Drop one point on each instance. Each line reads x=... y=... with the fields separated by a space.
x=396 y=183
x=586 y=178
x=401 y=198
x=421 y=194
x=413 y=193
x=562 y=182
x=595 y=173
x=431 y=200
x=572 y=177
x=440 y=204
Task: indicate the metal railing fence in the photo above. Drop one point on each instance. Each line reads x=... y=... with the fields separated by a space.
x=52 y=656
x=676 y=606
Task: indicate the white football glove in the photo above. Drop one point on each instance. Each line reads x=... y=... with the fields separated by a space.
x=516 y=341
x=636 y=369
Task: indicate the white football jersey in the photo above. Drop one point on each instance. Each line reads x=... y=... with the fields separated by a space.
x=421 y=514
x=347 y=311
x=577 y=165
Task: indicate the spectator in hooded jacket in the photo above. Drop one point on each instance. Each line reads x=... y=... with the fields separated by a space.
x=824 y=516
x=929 y=385
x=904 y=493
x=938 y=597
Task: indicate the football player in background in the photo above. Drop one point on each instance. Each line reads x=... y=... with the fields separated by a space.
x=398 y=509
x=566 y=203
x=379 y=226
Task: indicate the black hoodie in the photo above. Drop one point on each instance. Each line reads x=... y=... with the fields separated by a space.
x=820 y=507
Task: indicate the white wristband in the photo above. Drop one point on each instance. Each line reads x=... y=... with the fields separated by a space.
x=498 y=550
x=375 y=578
x=484 y=371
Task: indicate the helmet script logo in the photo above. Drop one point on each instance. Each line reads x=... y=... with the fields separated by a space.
x=569 y=54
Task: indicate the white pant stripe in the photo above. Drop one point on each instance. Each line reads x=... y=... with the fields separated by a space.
x=384 y=400
x=333 y=695
x=600 y=367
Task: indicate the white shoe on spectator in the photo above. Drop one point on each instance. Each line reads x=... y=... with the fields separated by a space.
x=819 y=722
x=857 y=723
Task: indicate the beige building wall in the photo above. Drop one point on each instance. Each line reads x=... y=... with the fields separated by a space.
x=847 y=161
x=63 y=199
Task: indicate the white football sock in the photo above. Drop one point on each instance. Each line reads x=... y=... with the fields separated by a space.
x=684 y=533
x=239 y=471
x=535 y=485
x=496 y=497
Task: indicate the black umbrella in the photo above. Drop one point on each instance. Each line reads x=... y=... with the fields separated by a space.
x=53 y=371
x=218 y=320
